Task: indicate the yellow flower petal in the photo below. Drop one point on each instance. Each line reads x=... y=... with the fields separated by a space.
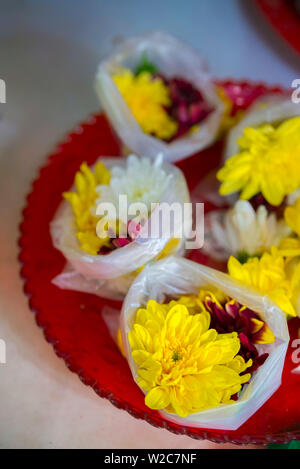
x=82 y=201
x=269 y=163
x=289 y=247
x=147 y=98
x=158 y=398
x=268 y=275
x=178 y=357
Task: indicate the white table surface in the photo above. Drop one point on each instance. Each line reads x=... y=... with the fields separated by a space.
x=49 y=51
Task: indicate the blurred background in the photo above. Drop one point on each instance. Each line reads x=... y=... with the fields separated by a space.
x=49 y=52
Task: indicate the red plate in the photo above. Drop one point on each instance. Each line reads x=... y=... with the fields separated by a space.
x=284 y=17
x=72 y=321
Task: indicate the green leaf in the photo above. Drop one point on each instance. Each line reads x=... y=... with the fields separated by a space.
x=145 y=66
x=242 y=257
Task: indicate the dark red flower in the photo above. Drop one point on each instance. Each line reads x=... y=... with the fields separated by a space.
x=251 y=329
x=188 y=106
x=259 y=199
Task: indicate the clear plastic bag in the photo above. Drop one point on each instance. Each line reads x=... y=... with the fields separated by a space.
x=173 y=277
x=110 y=275
x=173 y=58
x=271 y=109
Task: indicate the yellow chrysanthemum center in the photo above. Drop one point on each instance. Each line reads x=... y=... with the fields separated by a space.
x=147 y=98
x=182 y=364
x=83 y=200
x=269 y=163
x=269 y=276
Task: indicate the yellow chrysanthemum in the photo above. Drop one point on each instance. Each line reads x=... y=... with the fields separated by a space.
x=293 y=270
x=269 y=163
x=182 y=365
x=147 y=98
x=289 y=247
x=269 y=276
x=292 y=217
x=82 y=201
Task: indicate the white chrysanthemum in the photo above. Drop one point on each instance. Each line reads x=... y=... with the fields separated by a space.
x=142 y=180
x=241 y=229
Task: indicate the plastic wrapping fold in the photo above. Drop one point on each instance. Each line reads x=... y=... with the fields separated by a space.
x=110 y=275
x=173 y=277
x=173 y=59
x=271 y=109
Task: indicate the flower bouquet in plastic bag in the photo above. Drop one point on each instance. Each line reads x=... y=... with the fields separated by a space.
x=105 y=226
x=260 y=179
x=261 y=182
x=159 y=97
x=206 y=350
